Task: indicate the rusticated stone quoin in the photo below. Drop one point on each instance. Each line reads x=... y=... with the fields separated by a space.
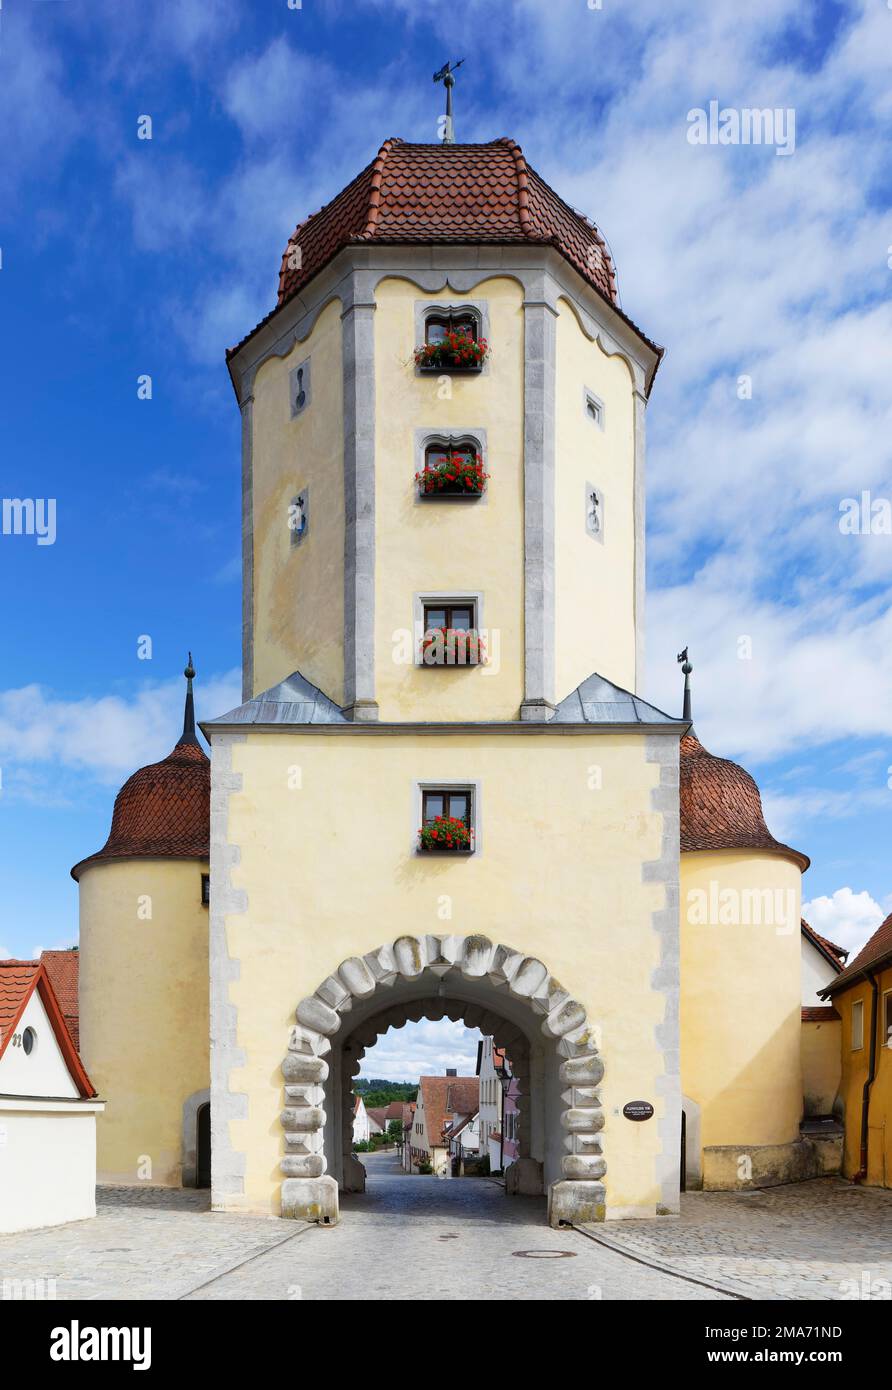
x=309 y=1194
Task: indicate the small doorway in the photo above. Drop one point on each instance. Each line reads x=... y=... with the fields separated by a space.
x=203 y=1146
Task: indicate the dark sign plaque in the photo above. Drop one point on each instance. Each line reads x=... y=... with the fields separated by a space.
x=638 y=1110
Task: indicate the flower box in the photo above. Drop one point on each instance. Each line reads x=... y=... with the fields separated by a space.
x=456 y=351
x=458 y=475
x=452 y=646
x=445 y=835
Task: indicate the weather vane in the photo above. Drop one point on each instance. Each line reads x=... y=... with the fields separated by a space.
x=446 y=75
x=684 y=662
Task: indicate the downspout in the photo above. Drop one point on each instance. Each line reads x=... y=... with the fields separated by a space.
x=861 y=1175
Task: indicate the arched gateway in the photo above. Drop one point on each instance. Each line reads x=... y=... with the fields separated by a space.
x=492 y=987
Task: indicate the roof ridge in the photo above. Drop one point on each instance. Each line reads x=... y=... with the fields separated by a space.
x=375 y=189
x=523 y=184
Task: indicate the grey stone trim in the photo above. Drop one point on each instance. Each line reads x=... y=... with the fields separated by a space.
x=320 y=1016
x=228 y=1167
x=437 y=270
x=640 y=518
x=247 y=547
x=386 y=729
x=538 y=504
x=191 y=1106
x=480 y=307
x=359 y=510
x=432 y=435
x=475 y=787
x=666 y=978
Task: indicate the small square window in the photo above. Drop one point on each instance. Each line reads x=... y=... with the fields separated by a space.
x=594 y=407
x=887 y=1018
x=450 y=636
x=857 y=1025
x=205 y=890
x=453 y=340
x=448 y=818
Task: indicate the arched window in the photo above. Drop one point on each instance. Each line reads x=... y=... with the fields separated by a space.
x=453 y=341
x=453 y=466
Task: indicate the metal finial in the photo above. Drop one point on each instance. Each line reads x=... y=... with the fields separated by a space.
x=446 y=75
x=687 y=668
x=189 y=734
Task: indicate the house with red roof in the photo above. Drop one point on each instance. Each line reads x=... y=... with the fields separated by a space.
x=822 y=961
x=861 y=995
x=444 y=1104
x=48 y=1104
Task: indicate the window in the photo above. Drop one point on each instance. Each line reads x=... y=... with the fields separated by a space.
x=450 y=635
x=205 y=890
x=887 y=1018
x=452 y=339
x=594 y=407
x=439 y=806
x=29 y=1039
x=436 y=326
x=857 y=1024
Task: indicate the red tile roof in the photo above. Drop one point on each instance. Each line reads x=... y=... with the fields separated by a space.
x=464 y=194
x=162 y=811
x=835 y=955
x=877 y=952
x=721 y=807
x=818 y=1013
x=444 y=1096
x=18 y=981
x=62 y=968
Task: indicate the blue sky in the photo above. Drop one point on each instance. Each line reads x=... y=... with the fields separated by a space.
x=123 y=257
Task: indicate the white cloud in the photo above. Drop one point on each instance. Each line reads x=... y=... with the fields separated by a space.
x=422 y=1049
x=108 y=737
x=846 y=917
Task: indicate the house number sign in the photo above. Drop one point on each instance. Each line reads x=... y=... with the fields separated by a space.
x=638 y=1110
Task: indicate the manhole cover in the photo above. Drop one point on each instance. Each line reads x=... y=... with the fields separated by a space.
x=545 y=1254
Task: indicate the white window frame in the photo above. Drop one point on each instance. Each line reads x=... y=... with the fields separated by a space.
x=472 y=787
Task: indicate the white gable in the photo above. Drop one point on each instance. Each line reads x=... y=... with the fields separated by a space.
x=817 y=972
x=43 y=1071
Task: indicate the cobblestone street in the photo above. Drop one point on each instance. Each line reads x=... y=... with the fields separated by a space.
x=417 y=1238
x=809 y=1240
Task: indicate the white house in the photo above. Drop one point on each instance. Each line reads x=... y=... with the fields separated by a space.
x=443 y=1103
x=822 y=961
x=48 y=1107
x=492 y=1068
x=361 y=1130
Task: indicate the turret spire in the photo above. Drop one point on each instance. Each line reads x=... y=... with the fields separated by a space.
x=687 y=668
x=189 y=734
x=446 y=75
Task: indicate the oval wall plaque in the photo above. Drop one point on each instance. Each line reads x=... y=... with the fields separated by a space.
x=638 y=1110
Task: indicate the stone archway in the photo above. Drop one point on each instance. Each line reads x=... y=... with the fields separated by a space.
x=478 y=969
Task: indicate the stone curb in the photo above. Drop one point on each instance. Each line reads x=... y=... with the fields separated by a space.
x=738 y=1291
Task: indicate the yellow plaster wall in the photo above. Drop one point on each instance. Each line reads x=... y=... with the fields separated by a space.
x=740 y=1006
x=854 y=1074
x=821 y=1069
x=144 y=1016
x=330 y=871
x=594 y=581
x=299 y=590
x=446 y=546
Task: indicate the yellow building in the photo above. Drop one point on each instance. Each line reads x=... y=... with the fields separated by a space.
x=441 y=795
x=862 y=996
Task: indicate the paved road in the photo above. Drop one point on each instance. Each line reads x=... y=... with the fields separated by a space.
x=406 y=1238
x=417 y=1238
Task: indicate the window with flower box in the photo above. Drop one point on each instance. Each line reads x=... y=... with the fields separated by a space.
x=453 y=341
x=453 y=466
x=450 y=634
x=447 y=824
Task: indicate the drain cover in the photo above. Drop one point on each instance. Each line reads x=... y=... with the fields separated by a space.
x=545 y=1254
